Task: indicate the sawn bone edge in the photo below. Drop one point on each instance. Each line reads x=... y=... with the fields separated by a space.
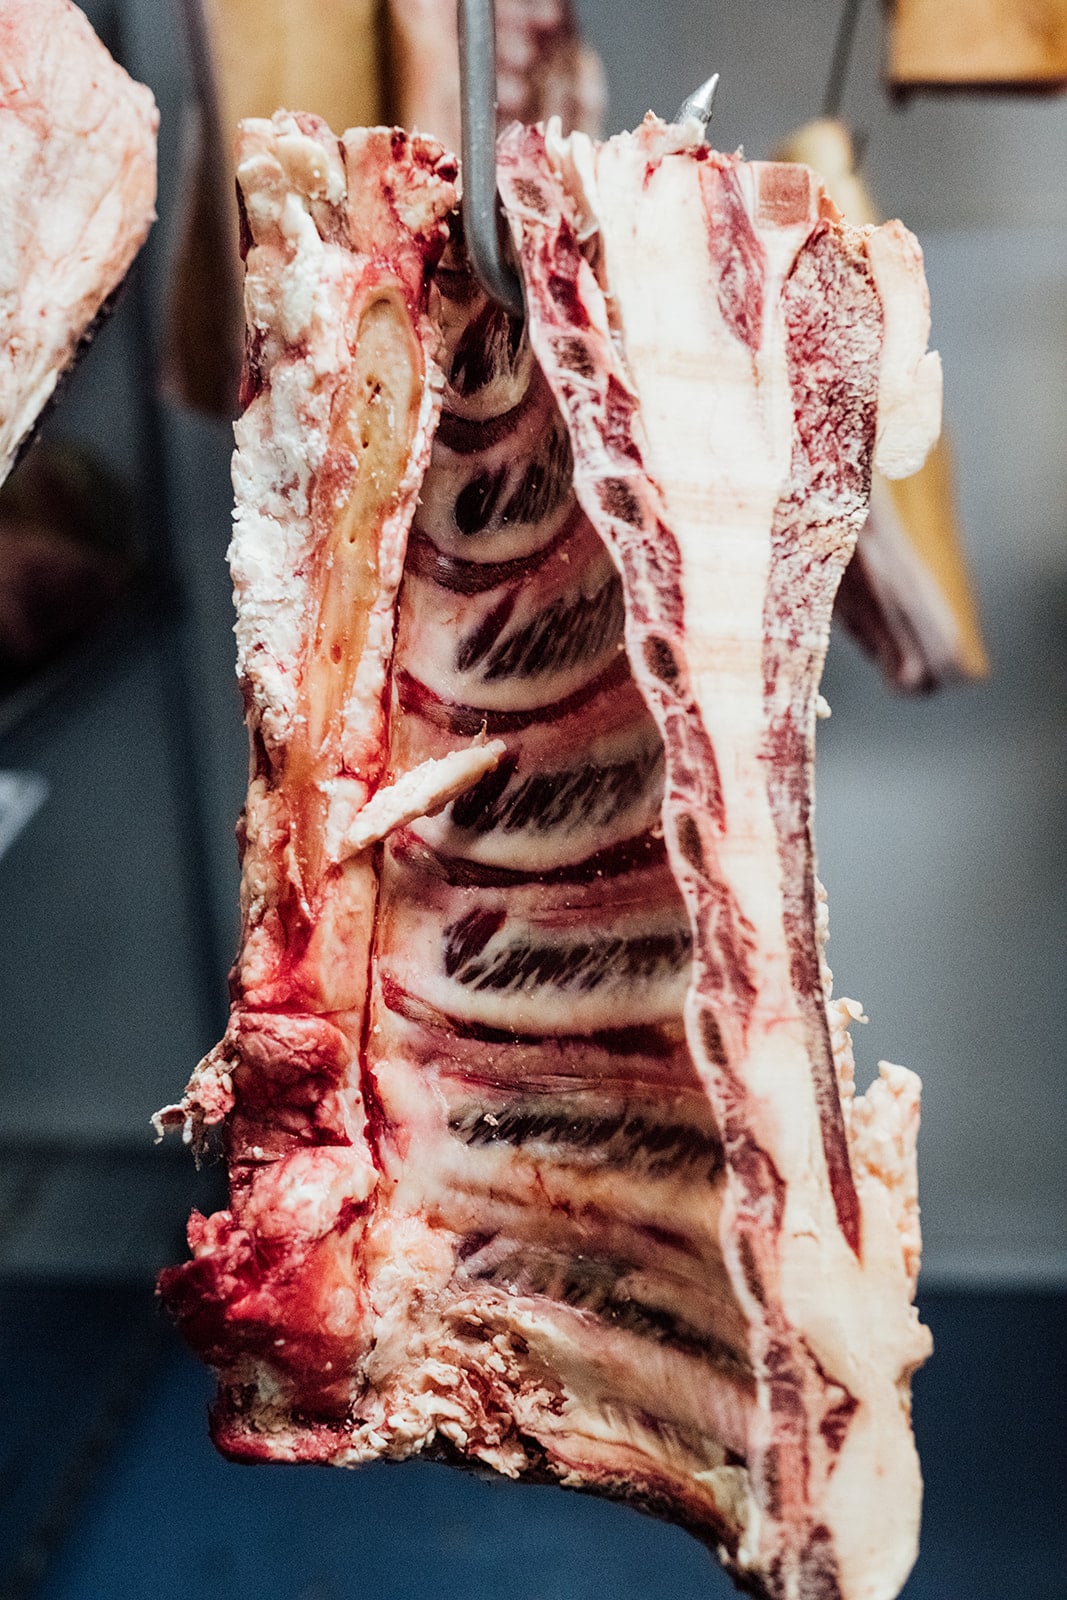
x=543 y=1143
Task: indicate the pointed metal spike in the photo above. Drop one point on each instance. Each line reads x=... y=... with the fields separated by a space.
x=699 y=103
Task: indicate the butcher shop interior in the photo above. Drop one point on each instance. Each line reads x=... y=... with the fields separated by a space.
x=538 y=1149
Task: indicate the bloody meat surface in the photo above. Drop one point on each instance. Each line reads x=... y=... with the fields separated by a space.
x=543 y=1140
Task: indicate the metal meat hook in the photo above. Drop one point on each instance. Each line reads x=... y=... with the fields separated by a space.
x=480 y=207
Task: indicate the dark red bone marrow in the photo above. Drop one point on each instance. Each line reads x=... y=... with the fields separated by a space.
x=538 y=1110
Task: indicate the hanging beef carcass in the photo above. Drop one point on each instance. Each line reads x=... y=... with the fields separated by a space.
x=77 y=191
x=543 y=1142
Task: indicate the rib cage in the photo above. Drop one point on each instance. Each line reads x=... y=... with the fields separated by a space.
x=538 y=1112
x=569 y=930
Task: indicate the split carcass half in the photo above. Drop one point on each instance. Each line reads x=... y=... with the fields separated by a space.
x=77 y=197
x=543 y=1142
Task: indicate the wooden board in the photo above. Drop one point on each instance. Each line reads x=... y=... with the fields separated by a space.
x=263 y=55
x=978 y=44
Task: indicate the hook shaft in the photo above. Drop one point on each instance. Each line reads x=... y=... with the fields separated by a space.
x=481 y=217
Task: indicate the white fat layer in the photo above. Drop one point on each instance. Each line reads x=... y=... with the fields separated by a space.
x=300 y=284
x=293 y=285
x=720 y=452
x=909 y=385
x=422 y=792
x=861 y=1324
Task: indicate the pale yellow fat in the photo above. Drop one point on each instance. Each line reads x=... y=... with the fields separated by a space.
x=376 y=418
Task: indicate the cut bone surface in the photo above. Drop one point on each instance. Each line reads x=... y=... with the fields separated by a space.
x=77 y=196
x=543 y=1142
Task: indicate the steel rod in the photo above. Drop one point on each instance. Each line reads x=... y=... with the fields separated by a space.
x=841 y=59
x=481 y=215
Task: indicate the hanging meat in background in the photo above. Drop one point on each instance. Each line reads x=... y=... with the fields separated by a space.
x=77 y=198
x=543 y=68
x=248 y=58
x=355 y=63
x=906 y=595
x=978 y=44
x=543 y=1140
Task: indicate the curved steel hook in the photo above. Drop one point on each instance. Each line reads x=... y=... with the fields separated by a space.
x=479 y=206
x=482 y=225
